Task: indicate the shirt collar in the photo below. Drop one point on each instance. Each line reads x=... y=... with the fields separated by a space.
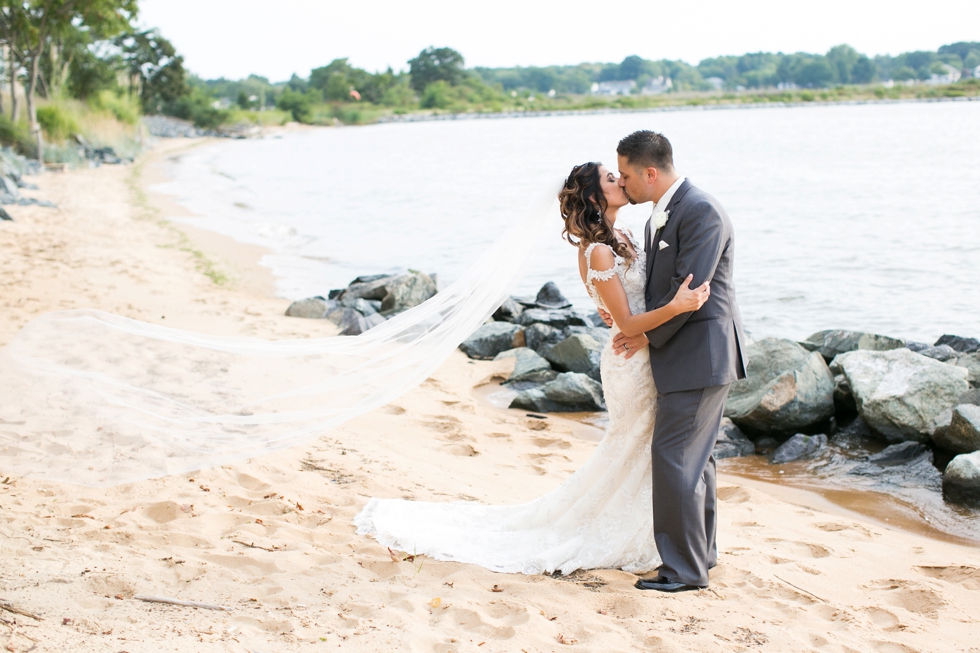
x=665 y=200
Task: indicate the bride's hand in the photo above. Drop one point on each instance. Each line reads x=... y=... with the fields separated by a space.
x=690 y=299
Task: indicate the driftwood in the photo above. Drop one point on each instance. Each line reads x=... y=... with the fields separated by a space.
x=186 y=604
x=10 y=607
x=253 y=545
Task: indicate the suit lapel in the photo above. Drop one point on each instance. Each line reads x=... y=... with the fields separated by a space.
x=655 y=241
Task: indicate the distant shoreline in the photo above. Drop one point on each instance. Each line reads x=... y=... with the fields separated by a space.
x=429 y=117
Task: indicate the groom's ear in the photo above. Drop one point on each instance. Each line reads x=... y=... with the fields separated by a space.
x=651 y=175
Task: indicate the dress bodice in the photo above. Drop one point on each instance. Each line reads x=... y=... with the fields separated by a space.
x=632 y=275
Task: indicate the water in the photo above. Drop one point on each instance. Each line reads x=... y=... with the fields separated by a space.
x=859 y=217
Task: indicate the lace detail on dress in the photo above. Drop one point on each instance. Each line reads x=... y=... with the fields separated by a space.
x=600 y=517
x=633 y=276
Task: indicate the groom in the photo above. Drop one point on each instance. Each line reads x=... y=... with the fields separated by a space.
x=694 y=357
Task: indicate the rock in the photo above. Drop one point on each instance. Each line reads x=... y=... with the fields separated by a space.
x=961 y=480
x=352 y=323
x=361 y=305
x=368 y=287
x=917 y=346
x=596 y=320
x=508 y=311
x=33 y=201
x=406 y=291
x=832 y=343
x=569 y=392
x=900 y=393
x=579 y=352
x=312 y=307
x=529 y=366
x=843 y=397
x=491 y=339
x=940 y=352
x=731 y=442
x=549 y=297
x=962 y=345
x=900 y=454
x=798 y=447
x=8 y=185
x=786 y=388
x=540 y=336
x=855 y=435
x=558 y=319
x=335 y=293
x=972 y=364
x=766 y=445
x=4 y=215
x=962 y=435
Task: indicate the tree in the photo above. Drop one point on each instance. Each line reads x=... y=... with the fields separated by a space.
x=842 y=59
x=815 y=73
x=30 y=24
x=156 y=70
x=436 y=64
x=864 y=71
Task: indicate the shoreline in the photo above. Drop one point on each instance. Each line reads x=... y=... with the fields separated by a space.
x=423 y=117
x=271 y=538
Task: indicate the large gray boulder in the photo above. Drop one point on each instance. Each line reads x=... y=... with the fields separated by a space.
x=900 y=393
x=312 y=307
x=786 y=388
x=731 y=442
x=834 y=342
x=529 y=367
x=372 y=286
x=939 y=352
x=491 y=339
x=963 y=433
x=569 y=392
x=507 y=311
x=798 y=447
x=580 y=352
x=550 y=297
x=541 y=336
x=558 y=319
x=971 y=362
x=961 y=480
x=960 y=344
x=407 y=291
x=353 y=323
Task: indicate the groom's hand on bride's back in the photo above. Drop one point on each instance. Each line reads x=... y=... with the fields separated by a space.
x=629 y=345
x=606 y=317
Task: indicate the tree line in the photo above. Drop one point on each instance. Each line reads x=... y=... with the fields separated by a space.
x=94 y=51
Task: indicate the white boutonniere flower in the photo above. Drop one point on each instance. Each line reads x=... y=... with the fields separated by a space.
x=660 y=219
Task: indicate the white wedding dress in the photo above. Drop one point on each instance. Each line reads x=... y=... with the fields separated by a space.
x=600 y=517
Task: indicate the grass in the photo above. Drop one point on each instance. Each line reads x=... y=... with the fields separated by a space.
x=147 y=211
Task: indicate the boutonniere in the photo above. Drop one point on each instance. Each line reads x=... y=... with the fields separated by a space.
x=660 y=219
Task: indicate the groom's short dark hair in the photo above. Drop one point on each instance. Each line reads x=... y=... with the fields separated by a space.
x=647 y=149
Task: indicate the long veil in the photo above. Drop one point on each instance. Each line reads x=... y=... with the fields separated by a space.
x=97 y=399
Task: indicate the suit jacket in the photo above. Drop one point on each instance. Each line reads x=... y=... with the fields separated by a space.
x=704 y=348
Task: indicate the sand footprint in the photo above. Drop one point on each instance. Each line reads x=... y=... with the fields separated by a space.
x=911 y=596
x=966 y=577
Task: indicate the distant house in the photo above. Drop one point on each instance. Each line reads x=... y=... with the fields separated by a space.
x=949 y=76
x=657 y=85
x=786 y=86
x=624 y=87
x=976 y=72
x=716 y=83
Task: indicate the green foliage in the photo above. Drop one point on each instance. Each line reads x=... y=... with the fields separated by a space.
x=197 y=106
x=125 y=107
x=434 y=65
x=17 y=136
x=154 y=61
x=56 y=122
x=298 y=104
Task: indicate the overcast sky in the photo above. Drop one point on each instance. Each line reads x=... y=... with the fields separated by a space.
x=233 y=38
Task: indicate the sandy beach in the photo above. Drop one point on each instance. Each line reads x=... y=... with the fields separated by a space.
x=270 y=540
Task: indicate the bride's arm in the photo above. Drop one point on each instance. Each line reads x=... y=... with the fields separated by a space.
x=614 y=297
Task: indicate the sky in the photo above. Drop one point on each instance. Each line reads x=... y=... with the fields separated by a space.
x=274 y=39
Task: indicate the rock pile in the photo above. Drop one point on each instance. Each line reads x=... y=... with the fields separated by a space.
x=13 y=168
x=367 y=301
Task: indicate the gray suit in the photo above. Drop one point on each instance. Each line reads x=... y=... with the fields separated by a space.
x=694 y=358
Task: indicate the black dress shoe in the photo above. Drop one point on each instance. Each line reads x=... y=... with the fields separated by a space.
x=662 y=584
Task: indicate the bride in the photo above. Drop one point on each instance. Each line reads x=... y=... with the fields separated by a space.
x=601 y=516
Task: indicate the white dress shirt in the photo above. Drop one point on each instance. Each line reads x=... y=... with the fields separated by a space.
x=663 y=203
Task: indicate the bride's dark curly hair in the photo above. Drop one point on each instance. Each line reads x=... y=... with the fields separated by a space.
x=583 y=207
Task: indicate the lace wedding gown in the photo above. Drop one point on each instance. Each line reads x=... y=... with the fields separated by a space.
x=600 y=517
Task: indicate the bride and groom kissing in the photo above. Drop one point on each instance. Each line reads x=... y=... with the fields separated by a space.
x=646 y=498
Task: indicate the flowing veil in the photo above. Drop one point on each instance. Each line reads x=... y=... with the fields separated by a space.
x=97 y=399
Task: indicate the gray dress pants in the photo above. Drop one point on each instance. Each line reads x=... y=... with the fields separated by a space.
x=684 y=482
